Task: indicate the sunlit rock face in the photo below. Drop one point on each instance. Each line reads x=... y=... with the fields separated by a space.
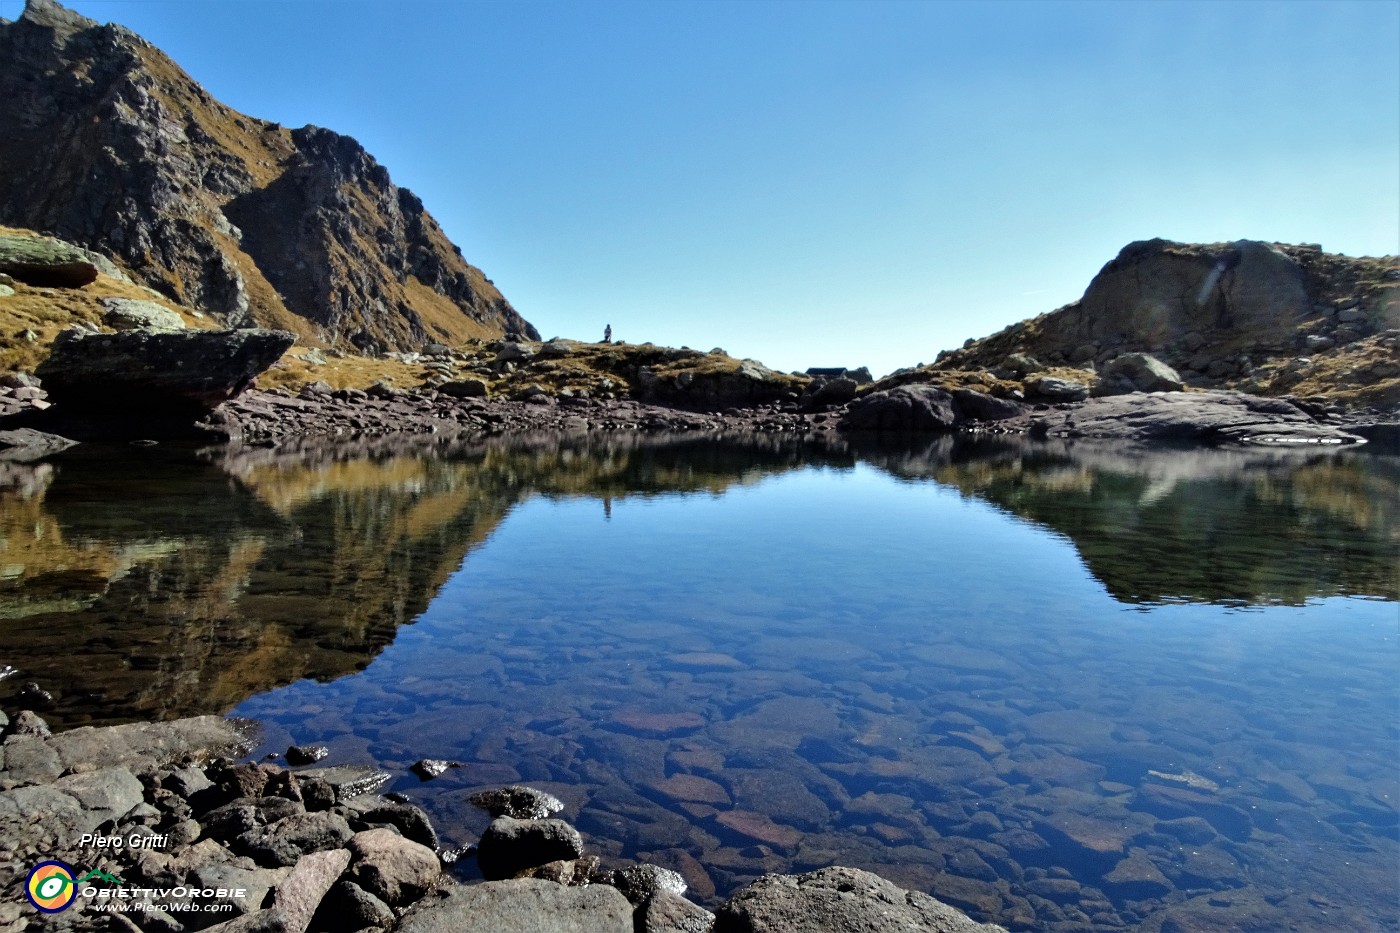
x=110 y=145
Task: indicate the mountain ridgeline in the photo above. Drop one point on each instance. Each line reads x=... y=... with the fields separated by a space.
x=107 y=143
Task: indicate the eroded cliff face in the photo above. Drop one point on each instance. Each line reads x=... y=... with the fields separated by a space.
x=107 y=143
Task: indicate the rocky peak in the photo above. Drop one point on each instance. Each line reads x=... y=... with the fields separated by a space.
x=109 y=144
x=50 y=15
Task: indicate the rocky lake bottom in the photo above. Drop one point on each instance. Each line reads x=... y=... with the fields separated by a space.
x=1061 y=687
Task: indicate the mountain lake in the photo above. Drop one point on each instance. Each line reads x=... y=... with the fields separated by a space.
x=1059 y=686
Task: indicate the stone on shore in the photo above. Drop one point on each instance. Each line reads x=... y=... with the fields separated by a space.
x=1055 y=389
x=839 y=900
x=394 y=869
x=510 y=846
x=523 y=905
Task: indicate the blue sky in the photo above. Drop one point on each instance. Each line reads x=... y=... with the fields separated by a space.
x=826 y=183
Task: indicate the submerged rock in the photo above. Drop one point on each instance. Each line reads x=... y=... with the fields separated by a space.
x=521 y=803
x=306 y=754
x=838 y=900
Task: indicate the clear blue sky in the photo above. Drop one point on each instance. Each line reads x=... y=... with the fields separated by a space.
x=826 y=183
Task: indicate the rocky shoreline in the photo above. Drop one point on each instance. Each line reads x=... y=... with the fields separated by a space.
x=160 y=828
x=269 y=417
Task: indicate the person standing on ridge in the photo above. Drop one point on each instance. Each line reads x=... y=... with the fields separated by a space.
x=607 y=334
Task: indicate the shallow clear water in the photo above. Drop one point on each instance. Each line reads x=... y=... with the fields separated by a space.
x=1061 y=688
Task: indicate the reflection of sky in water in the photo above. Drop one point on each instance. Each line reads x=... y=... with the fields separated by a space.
x=915 y=660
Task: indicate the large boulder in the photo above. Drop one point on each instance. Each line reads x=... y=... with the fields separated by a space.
x=182 y=373
x=839 y=900
x=136 y=314
x=1137 y=372
x=903 y=408
x=706 y=387
x=46 y=262
x=1055 y=389
x=983 y=406
x=1156 y=291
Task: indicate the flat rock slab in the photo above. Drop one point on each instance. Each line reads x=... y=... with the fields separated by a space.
x=1194 y=417
x=26 y=444
x=650 y=723
x=759 y=828
x=523 y=905
x=839 y=900
x=152 y=744
x=349 y=780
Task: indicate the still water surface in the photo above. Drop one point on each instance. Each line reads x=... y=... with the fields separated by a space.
x=1064 y=688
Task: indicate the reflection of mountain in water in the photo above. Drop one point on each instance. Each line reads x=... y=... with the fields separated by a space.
x=1201 y=525
x=160 y=585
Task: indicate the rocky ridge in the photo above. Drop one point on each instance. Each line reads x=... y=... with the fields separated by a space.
x=158 y=819
x=110 y=145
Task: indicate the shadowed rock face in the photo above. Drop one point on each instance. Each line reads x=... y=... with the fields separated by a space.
x=110 y=145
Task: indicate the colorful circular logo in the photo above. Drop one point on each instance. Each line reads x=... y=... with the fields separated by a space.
x=50 y=887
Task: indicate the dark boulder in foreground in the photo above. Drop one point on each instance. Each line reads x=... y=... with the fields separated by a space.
x=148 y=373
x=509 y=846
x=838 y=900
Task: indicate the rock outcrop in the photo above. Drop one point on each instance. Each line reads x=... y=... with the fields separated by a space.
x=1266 y=318
x=110 y=145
